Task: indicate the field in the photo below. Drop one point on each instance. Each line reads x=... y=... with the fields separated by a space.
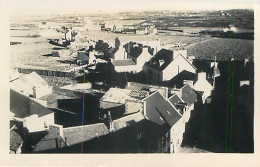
x=35 y=52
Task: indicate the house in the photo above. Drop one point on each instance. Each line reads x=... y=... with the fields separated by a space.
x=127 y=65
x=135 y=62
x=167 y=64
x=46 y=141
x=31 y=85
x=202 y=85
x=139 y=53
x=148 y=123
x=187 y=94
x=117 y=52
x=34 y=115
x=146 y=130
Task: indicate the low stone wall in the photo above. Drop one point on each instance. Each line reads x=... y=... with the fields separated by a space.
x=47 y=72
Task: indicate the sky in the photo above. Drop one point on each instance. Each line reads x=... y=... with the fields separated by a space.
x=95 y=6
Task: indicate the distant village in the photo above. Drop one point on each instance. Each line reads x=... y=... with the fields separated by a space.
x=131 y=97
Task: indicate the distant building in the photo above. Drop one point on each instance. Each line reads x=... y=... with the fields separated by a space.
x=142 y=30
x=43 y=25
x=117 y=52
x=83 y=58
x=129 y=31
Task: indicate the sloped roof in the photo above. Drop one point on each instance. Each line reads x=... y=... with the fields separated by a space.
x=116 y=95
x=127 y=62
x=178 y=79
x=23 y=106
x=113 y=50
x=125 y=121
x=37 y=108
x=26 y=82
x=163 y=54
x=80 y=134
x=49 y=141
x=175 y=99
x=51 y=99
x=180 y=55
x=161 y=111
x=188 y=94
x=136 y=51
x=15 y=140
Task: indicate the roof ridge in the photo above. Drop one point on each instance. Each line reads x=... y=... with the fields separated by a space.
x=83 y=126
x=186 y=60
x=173 y=107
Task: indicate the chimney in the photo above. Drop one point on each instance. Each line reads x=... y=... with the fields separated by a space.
x=201 y=76
x=110 y=122
x=189 y=82
x=176 y=91
x=34 y=92
x=245 y=62
x=129 y=46
x=145 y=50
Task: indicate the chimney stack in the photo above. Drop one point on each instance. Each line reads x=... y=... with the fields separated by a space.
x=189 y=82
x=176 y=91
x=202 y=76
x=110 y=122
x=34 y=92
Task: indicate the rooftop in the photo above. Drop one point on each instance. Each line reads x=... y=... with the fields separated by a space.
x=15 y=140
x=188 y=94
x=175 y=99
x=116 y=95
x=51 y=99
x=80 y=134
x=26 y=82
x=160 y=110
x=127 y=62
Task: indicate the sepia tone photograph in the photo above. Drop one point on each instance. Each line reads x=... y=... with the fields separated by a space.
x=131 y=77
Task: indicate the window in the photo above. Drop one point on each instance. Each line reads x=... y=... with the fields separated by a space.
x=139 y=135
